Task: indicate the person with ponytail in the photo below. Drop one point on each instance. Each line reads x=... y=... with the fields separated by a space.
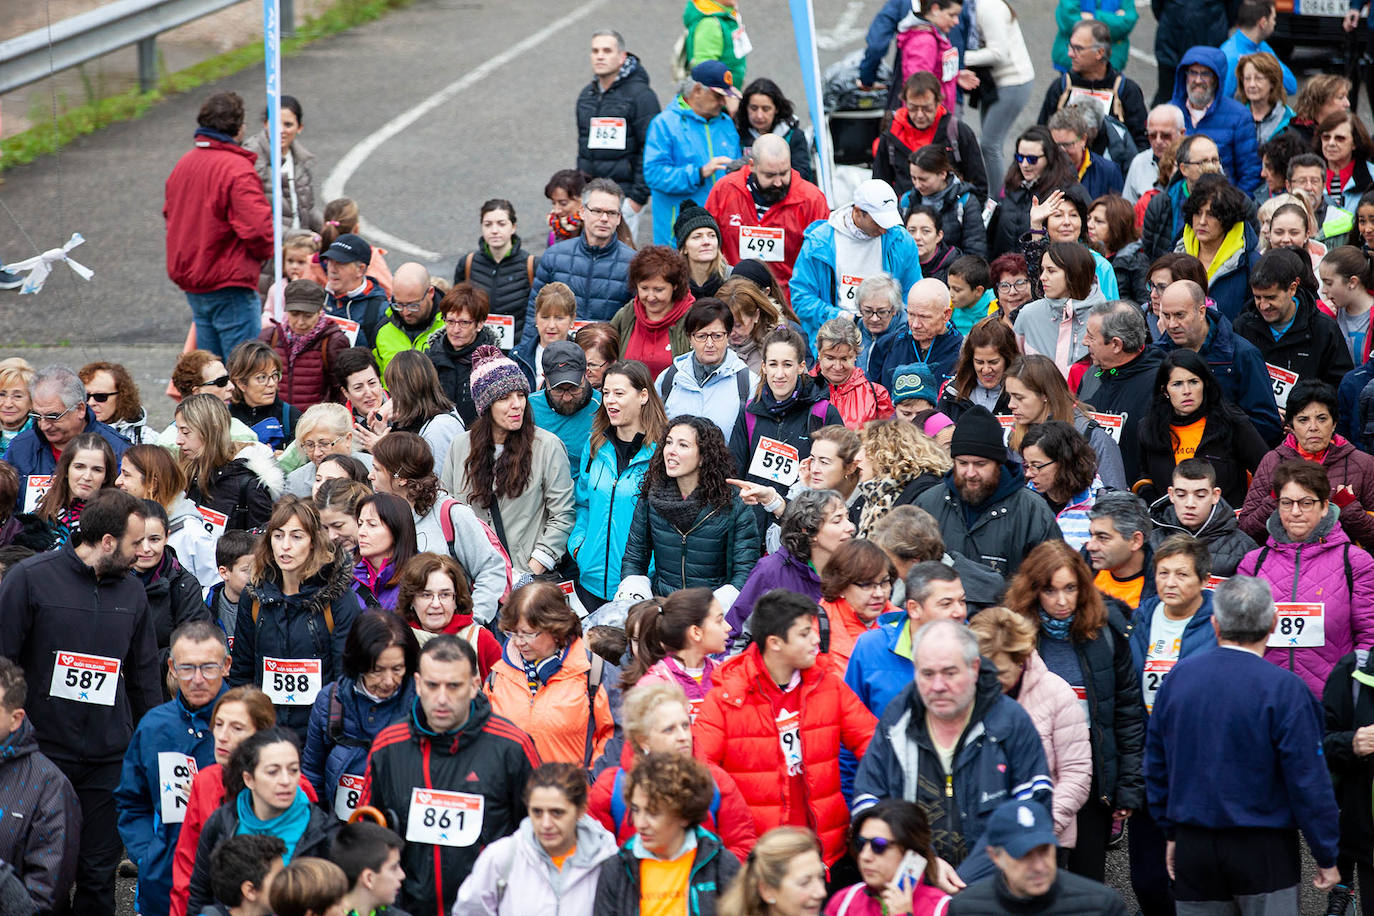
x=783 y=874
x=341 y=216
x=675 y=645
x=1347 y=275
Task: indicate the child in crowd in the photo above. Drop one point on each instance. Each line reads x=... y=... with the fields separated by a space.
x=370 y=856
x=298 y=251
x=242 y=870
x=234 y=557
x=308 y=887
x=970 y=292
x=341 y=216
x=914 y=394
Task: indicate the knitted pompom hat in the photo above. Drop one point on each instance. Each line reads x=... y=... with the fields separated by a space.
x=494 y=375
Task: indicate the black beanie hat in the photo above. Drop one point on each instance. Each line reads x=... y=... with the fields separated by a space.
x=690 y=218
x=979 y=434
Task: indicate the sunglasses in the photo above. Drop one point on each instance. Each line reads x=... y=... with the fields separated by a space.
x=216 y=382
x=879 y=844
x=100 y=397
x=1026 y=159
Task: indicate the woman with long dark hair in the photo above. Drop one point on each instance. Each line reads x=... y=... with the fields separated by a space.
x=87 y=466
x=763 y=109
x=989 y=350
x=676 y=645
x=690 y=522
x=525 y=491
x=419 y=404
x=1112 y=233
x=1189 y=417
x=1038 y=393
x=1040 y=167
x=386 y=542
x=937 y=185
x=1061 y=466
x=238 y=481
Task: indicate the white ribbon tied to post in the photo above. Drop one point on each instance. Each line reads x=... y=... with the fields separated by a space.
x=41 y=266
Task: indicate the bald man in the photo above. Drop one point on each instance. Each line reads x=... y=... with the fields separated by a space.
x=413 y=315
x=764 y=208
x=930 y=337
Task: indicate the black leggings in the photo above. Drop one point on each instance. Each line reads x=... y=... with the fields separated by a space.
x=1088 y=857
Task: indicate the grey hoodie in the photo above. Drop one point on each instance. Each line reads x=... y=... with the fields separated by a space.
x=532 y=884
x=1038 y=326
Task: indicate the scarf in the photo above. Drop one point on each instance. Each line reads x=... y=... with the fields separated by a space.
x=161 y=570
x=1233 y=243
x=289 y=826
x=537 y=673
x=297 y=343
x=650 y=341
x=563 y=230
x=680 y=511
x=878 y=496
x=1056 y=629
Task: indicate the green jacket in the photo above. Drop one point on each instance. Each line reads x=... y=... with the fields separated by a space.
x=392 y=338
x=713 y=33
x=1120 y=22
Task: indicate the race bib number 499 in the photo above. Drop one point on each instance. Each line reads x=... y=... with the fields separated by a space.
x=444 y=818
x=762 y=242
x=85 y=678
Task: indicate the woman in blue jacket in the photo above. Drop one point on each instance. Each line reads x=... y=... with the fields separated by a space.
x=380 y=658
x=625 y=433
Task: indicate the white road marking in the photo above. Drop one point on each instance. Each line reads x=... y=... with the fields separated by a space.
x=845 y=30
x=353 y=160
x=1142 y=56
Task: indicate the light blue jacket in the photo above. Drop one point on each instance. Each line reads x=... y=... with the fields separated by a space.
x=718 y=400
x=813 y=276
x=606 y=504
x=573 y=431
x=678 y=144
x=1239 y=45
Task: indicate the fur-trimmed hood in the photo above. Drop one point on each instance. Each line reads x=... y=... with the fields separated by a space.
x=259 y=459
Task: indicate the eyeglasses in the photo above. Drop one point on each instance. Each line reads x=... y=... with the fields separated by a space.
x=262 y=378
x=1037 y=468
x=207 y=671
x=1158 y=288
x=875 y=313
x=1307 y=503
x=1199 y=74
x=520 y=637
x=50 y=417
x=1069 y=146
x=603 y=214
x=1211 y=160
x=878 y=844
x=444 y=598
x=1161 y=134
x=1009 y=285
x=459 y=322
x=100 y=397
x=216 y=382
x=321 y=445
x=1080 y=49
x=1027 y=159
x=412 y=306
x=883 y=584
x=712 y=336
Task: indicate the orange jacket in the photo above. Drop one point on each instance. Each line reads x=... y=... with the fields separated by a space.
x=556 y=717
x=740 y=706
x=845 y=629
x=732 y=206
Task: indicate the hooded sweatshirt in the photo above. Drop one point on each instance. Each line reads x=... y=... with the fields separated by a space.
x=1054 y=328
x=520 y=862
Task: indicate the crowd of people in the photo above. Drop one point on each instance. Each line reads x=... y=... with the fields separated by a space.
x=901 y=557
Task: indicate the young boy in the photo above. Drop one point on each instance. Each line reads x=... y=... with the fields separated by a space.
x=234 y=557
x=241 y=873
x=970 y=291
x=555 y=310
x=914 y=396
x=370 y=856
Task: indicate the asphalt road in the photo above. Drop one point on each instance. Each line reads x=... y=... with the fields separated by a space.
x=430 y=111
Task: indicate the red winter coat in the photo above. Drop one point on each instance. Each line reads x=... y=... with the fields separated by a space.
x=737 y=731
x=307 y=375
x=732 y=206
x=735 y=826
x=857 y=399
x=219 y=222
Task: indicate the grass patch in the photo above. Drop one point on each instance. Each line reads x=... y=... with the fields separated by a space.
x=46 y=137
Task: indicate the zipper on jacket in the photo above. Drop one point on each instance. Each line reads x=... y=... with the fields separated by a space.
x=683 y=552
x=1293 y=596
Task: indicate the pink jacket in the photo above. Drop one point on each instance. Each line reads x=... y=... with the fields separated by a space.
x=670 y=671
x=924 y=47
x=855 y=901
x=1063 y=728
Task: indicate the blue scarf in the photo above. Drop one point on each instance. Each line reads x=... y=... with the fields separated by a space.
x=537 y=674
x=1056 y=629
x=289 y=827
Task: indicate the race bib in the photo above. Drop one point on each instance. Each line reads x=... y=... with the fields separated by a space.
x=215 y=522
x=694 y=707
x=174 y=775
x=607 y=133
x=949 y=65
x=1300 y=625
x=444 y=818
x=350 y=328
x=1152 y=676
x=1283 y=381
x=1111 y=422
x=291 y=681
x=849 y=293
x=1101 y=99
x=1008 y=423
x=789 y=739
x=33 y=493
x=742 y=45
x=762 y=242
x=1082 y=694
x=85 y=678
x=1214 y=581
x=775 y=461
x=346 y=796
x=503 y=326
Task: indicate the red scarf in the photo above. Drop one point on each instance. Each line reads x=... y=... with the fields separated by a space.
x=911 y=137
x=649 y=340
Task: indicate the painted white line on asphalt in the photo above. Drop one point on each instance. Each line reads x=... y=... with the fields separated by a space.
x=1142 y=56
x=353 y=160
x=845 y=30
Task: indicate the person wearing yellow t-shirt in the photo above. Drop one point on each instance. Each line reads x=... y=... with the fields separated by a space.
x=672 y=865
x=1119 y=549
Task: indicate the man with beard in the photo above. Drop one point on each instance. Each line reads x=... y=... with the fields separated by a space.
x=567 y=403
x=764 y=208
x=79 y=626
x=413 y=315
x=1197 y=93
x=984 y=508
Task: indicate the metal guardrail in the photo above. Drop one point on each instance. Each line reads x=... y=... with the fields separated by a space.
x=27 y=58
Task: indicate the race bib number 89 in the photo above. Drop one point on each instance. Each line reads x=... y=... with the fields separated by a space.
x=1299 y=625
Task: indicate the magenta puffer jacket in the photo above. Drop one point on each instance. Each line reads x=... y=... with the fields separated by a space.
x=1315 y=571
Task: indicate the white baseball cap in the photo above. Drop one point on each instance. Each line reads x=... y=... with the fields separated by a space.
x=876 y=198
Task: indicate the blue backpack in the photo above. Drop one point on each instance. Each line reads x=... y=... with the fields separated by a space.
x=618 y=802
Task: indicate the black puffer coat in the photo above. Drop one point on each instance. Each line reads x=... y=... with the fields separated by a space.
x=1221 y=533
x=455 y=369
x=713 y=868
x=239 y=489
x=721 y=546
x=173 y=599
x=506 y=282
x=630 y=97
x=1132 y=269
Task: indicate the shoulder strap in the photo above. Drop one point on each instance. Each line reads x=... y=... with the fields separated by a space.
x=503 y=877
x=335 y=713
x=1259 y=561
x=848 y=899
x=594 y=673
x=618 y=799
x=1064 y=93
x=495 y=509
x=819 y=408
x=1361 y=659
x=1118 y=109
x=529 y=269
x=1349 y=575
x=742 y=383
x=467 y=266
x=668 y=378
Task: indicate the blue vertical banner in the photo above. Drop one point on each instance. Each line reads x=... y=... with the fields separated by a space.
x=271 y=43
x=804 y=29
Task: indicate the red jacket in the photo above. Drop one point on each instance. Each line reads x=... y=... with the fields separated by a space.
x=732 y=206
x=858 y=399
x=741 y=706
x=735 y=826
x=307 y=375
x=219 y=222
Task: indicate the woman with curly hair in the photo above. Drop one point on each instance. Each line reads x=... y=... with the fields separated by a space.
x=1038 y=393
x=113 y=398
x=668 y=796
x=989 y=349
x=1216 y=232
x=650 y=324
x=690 y=522
x=1061 y=466
x=1084 y=641
x=900 y=463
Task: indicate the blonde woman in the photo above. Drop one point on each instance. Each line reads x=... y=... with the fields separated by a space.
x=239 y=482
x=15 y=377
x=899 y=463
x=323 y=430
x=783 y=874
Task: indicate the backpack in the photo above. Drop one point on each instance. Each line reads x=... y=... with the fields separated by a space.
x=618 y=802
x=335 y=729
x=467 y=268
x=1113 y=122
x=1345 y=555
x=741 y=382
x=446 y=523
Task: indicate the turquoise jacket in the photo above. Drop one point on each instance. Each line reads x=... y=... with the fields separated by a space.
x=606 y=504
x=678 y=144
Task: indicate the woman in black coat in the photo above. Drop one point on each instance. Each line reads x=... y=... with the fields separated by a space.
x=1039 y=168
x=173 y=593
x=228 y=477
x=465 y=309
x=500 y=268
x=1189 y=417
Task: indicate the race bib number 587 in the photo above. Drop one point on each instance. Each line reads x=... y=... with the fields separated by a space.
x=85 y=678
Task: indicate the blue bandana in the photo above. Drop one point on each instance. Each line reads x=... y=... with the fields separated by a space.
x=1056 y=629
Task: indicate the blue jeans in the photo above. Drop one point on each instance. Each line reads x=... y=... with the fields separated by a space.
x=225 y=318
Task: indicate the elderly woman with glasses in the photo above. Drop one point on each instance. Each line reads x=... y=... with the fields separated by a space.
x=255 y=371
x=323 y=430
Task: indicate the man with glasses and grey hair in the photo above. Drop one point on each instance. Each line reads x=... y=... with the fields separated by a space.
x=171 y=743
x=595 y=265
x=613 y=115
x=1162 y=128
x=59 y=414
x=1092 y=78
x=1121 y=379
x=1234 y=769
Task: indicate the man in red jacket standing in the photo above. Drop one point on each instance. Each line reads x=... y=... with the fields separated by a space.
x=764 y=208
x=219 y=228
